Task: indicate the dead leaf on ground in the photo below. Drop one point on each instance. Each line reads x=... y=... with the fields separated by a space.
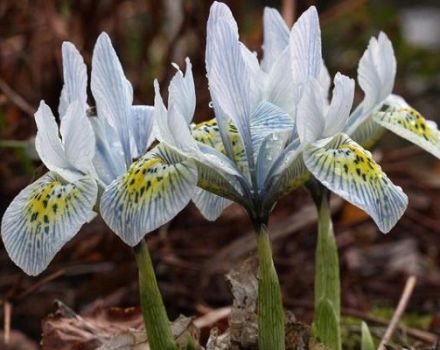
x=113 y=329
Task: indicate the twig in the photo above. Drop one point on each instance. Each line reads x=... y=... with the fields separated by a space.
x=407 y=291
x=289 y=11
x=19 y=101
x=39 y=284
x=7 y=310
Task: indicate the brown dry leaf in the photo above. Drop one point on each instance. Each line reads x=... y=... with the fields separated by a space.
x=113 y=329
x=352 y=215
x=243 y=317
x=243 y=325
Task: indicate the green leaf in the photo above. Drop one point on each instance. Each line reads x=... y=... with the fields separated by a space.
x=326 y=325
x=367 y=339
x=327 y=283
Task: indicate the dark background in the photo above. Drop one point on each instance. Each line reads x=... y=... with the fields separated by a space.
x=148 y=35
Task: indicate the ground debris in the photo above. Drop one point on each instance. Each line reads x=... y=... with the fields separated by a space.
x=243 y=325
x=112 y=329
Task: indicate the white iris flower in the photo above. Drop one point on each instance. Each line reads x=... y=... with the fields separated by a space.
x=50 y=211
x=107 y=153
x=381 y=109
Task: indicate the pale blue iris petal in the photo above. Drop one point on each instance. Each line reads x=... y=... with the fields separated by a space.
x=49 y=145
x=305 y=50
x=182 y=93
x=109 y=161
x=271 y=148
x=228 y=74
x=112 y=92
x=152 y=192
x=43 y=217
x=75 y=78
x=210 y=205
x=347 y=169
x=268 y=119
x=376 y=74
x=142 y=121
x=78 y=138
x=275 y=36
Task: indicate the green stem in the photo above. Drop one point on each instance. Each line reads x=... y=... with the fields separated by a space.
x=327 y=282
x=156 y=320
x=271 y=333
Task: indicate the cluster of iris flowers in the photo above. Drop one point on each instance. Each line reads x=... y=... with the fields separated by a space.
x=275 y=128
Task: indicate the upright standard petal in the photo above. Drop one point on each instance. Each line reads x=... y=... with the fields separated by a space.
x=75 y=78
x=376 y=73
x=182 y=93
x=275 y=37
x=171 y=128
x=78 y=138
x=112 y=92
x=311 y=113
x=377 y=70
x=325 y=79
x=142 y=121
x=340 y=105
x=43 y=217
x=109 y=161
x=347 y=169
x=305 y=50
x=280 y=88
x=228 y=74
x=152 y=192
x=49 y=145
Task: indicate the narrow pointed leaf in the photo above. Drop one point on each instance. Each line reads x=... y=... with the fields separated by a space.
x=367 y=342
x=347 y=169
x=327 y=280
x=43 y=217
x=326 y=325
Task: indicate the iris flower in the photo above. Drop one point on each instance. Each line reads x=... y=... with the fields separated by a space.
x=107 y=153
x=274 y=127
x=381 y=109
x=49 y=212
